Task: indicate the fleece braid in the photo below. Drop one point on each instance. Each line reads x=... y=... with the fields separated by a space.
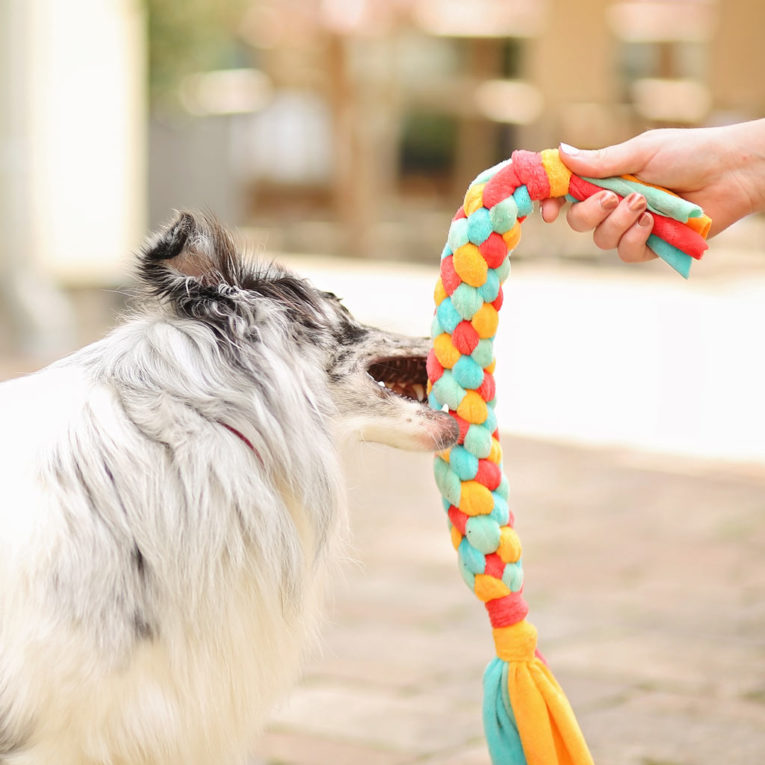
x=527 y=718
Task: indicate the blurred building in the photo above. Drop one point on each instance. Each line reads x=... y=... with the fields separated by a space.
x=373 y=115
x=345 y=126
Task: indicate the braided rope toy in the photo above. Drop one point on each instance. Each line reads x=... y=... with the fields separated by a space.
x=527 y=718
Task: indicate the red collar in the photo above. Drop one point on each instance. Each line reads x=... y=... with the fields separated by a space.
x=243 y=438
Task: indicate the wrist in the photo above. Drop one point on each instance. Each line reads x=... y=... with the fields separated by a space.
x=746 y=149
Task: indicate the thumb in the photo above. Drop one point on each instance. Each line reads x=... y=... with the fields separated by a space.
x=619 y=159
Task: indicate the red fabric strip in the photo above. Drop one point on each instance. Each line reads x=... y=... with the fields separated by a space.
x=507 y=610
x=458 y=519
x=501 y=186
x=450 y=278
x=531 y=172
x=670 y=230
x=488 y=474
x=495 y=566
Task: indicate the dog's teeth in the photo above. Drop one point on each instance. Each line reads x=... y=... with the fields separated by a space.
x=419 y=391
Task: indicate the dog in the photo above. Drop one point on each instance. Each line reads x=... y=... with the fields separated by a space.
x=173 y=506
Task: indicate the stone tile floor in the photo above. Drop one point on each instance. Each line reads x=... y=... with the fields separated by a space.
x=646 y=579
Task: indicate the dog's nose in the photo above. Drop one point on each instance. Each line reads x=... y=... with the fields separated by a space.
x=450 y=433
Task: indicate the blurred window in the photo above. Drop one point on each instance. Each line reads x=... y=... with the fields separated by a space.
x=663 y=59
x=663 y=54
x=428 y=143
x=513 y=58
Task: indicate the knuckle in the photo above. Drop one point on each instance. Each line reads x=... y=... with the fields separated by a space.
x=581 y=218
x=603 y=240
x=632 y=247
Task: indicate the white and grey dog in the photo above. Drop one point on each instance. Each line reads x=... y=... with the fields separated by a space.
x=172 y=504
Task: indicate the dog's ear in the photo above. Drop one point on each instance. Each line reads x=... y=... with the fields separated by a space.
x=192 y=246
x=192 y=266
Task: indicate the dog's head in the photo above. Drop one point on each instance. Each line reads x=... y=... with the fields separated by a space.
x=376 y=379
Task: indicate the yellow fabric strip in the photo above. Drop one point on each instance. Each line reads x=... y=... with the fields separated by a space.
x=546 y=723
x=557 y=173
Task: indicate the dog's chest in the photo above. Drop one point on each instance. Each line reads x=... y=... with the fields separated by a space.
x=203 y=689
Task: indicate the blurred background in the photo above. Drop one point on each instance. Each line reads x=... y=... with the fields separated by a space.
x=339 y=136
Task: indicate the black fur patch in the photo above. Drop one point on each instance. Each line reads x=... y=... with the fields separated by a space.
x=349 y=332
x=211 y=283
x=210 y=257
x=138 y=562
x=171 y=243
x=300 y=301
x=142 y=628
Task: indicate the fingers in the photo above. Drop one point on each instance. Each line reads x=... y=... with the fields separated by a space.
x=621 y=225
x=550 y=209
x=619 y=159
x=632 y=246
x=614 y=226
x=589 y=214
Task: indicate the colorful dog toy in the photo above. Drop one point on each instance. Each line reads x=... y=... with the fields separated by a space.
x=527 y=718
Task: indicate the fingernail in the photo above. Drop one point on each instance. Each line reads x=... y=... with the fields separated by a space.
x=572 y=151
x=636 y=201
x=645 y=220
x=608 y=200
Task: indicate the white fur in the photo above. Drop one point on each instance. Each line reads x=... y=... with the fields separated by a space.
x=237 y=606
x=160 y=581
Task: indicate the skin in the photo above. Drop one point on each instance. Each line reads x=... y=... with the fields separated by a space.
x=720 y=168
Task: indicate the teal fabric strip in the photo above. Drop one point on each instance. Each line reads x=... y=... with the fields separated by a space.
x=498 y=720
x=489 y=173
x=678 y=259
x=659 y=201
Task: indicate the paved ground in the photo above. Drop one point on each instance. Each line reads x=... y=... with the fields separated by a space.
x=646 y=579
x=645 y=569
x=645 y=566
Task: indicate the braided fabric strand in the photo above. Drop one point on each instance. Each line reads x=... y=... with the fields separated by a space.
x=527 y=718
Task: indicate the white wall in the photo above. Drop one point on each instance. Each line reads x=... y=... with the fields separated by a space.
x=84 y=68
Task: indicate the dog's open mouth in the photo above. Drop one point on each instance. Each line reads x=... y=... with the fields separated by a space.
x=403 y=376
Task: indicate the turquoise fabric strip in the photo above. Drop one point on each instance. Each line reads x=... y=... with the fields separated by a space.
x=489 y=173
x=678 y=259
x=659 y=201
x=498 y=720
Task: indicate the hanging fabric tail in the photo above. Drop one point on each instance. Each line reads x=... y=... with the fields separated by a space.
x=527 y=718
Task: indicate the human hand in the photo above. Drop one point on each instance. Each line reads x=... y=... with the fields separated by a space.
x=722 y=169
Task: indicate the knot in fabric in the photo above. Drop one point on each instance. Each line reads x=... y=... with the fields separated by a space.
x=516 y=643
